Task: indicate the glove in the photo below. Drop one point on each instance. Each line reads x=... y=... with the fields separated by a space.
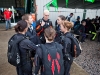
x=89 y=31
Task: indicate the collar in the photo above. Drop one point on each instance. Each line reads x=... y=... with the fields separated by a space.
x=45 y=20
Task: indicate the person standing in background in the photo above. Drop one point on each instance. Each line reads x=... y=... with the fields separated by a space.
x=71 y=18
x=7 y=17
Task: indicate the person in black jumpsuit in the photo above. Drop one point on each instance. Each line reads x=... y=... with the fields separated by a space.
x=31 y=32
x=25 y=46
x=40 y=58
x=59 y=33
x=65 y=27
x=42 y=24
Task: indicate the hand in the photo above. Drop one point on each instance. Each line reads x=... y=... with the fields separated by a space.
x=89 y=31
x=43 y=23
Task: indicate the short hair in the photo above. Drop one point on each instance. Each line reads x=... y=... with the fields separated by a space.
x=83 y=21
x=46 y=11
x=26 y=16
x=71 y=13
x=50 y=33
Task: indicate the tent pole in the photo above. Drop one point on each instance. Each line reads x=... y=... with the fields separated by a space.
x=84 y=13
x=96 y=12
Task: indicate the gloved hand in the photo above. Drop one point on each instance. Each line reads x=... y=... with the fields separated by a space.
x=89 y=31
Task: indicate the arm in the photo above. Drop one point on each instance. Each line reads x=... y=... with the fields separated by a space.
x=67 y=48
x=39 y=27
x=38 y=58
x=27 y=44
x=46 y=25
x=11 y=14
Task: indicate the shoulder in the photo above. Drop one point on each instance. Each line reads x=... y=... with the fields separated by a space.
x=39 y=51
x=67 y=40
x=38 y=21
x=50 y=21
x=14 y=36
x=67 y=37
x=26 y=41
x=59 y=45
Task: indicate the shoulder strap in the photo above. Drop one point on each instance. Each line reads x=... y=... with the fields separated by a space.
x=70 y=37
x=40 y=20
x=43 y=47
x=12 y=38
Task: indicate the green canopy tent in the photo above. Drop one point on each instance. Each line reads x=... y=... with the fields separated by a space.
x=73 y=4
x=82 y=4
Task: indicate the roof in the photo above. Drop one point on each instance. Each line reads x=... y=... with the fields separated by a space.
x=82 y=4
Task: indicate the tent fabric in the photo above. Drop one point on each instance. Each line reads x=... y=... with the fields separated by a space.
x=81 y=4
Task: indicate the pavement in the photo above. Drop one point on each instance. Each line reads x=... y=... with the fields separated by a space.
x=7 y=69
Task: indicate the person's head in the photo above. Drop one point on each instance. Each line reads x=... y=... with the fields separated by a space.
x=49 y=34
x=83 y=23
x=46 y=15
x=66 y=26
x=21 y=27
x=71 y=14
x=92 y=21
x=60 y=19
x=97 y=17
x=28 y=18
x=88 y=18
x=78 y=18
x=6 y=9
x=33 y=17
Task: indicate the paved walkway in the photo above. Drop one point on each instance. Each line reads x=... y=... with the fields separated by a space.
x=7 y=69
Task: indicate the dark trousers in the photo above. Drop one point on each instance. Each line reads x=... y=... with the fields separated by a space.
x=26 y=69
x=99 y=37
x=20 y=71
x=83 y=36
x=67 y=66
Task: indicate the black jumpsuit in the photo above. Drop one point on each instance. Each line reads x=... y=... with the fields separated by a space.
x=40 y=29
x=39 y=58
x=67 y=50
x=31 y=34
x=25 y=46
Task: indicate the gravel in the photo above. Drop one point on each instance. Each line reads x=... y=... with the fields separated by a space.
x=89 y=59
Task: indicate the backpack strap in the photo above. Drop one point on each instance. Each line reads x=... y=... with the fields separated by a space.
x=43 y=47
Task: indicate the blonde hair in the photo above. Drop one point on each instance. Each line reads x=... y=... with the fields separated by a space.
x=46 y=11
x=50 y=33
x=67 y=24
